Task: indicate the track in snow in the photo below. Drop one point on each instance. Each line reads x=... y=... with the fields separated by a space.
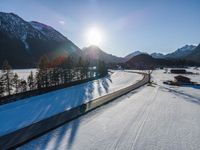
x=152 y=117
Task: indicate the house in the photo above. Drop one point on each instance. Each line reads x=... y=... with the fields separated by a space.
x=182 y=79
x=178 y=71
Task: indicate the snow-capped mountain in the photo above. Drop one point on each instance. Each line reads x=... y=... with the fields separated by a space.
x=194 y=55
x=135 y=53
x=16 y=27
x=158 y=55
x=48 y=31
x=181 y=52
x=22 y=43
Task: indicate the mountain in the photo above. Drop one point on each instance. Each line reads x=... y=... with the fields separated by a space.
x=22 y=43
x=181 y=52
x=158 y=55
x=145 y=61
x=129 y=56
x=194 y=55
x=95 y=53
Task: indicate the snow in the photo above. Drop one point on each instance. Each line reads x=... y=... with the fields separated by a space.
x=47 y=31
x=23 y=38
x=24 y=73
x=153 y=117
x=19 y=114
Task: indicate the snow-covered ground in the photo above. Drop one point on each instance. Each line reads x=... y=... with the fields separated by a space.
x=157 y=117
x=24 y=73
x=19 y=114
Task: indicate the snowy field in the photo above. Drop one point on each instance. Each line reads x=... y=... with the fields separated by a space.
x=24 y=73
x=19 y=114
x=157 y=117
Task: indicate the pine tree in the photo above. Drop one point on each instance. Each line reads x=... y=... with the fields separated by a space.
x=42 y=74
x=80 y=65
x=31 y=81
x=70 y=64
x=16 y=82
x=2 y=87
x=86 y=68
x=7 y=76
x=56 y=76
x=101 y=68
x=23 y=85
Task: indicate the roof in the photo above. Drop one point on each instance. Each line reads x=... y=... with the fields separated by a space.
x=182 y=78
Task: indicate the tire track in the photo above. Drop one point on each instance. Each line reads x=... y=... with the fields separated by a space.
x=141 y=114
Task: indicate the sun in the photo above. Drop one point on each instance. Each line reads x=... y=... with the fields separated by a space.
x=94 y=36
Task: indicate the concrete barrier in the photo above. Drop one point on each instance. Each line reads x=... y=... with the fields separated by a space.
x=23 y=135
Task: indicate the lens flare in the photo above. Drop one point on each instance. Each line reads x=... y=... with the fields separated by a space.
x=94 y=36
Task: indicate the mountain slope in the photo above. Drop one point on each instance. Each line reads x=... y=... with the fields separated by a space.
x=194 y=55
x=145 y=61
x=95 y=53
x=22 y=43
x=131 y=55
x=181 y=52
x=158 y=55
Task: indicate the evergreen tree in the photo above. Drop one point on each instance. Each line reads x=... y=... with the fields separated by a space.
x=38 y=80
x=42 y=74
x=78 y=70
x=101 y=68
x=16 y=82
x=7 y=76
x=55 y=76
x=23 y=85
x=2 y=87
x=31 y=81
x=83 y=68
x=86 y=68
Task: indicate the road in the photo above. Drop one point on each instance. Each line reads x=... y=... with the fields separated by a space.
x=152 y=117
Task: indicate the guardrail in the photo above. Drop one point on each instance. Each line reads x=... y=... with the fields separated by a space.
x=23 y=135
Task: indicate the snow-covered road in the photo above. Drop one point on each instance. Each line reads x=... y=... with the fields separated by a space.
x=22 y=113
x=150 y=118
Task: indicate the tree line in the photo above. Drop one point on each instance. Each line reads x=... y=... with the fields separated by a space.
x=49 y=73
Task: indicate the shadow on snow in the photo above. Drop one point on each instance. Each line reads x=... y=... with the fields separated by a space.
x=82 y=95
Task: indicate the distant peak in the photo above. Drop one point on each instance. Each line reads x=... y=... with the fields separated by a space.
x=9 y=14
x=92 y=47
x=187 y=47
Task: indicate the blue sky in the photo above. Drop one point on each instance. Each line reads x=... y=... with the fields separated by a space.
x=127 y=25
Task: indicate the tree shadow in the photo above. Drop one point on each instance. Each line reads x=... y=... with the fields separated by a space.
x=66 y=98
x=105 y=84
x=99 y=88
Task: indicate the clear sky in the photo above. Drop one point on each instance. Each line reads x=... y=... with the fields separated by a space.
x=125 y=25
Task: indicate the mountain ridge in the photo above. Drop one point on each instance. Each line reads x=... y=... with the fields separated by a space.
x=28 y=43
x=95 y=53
